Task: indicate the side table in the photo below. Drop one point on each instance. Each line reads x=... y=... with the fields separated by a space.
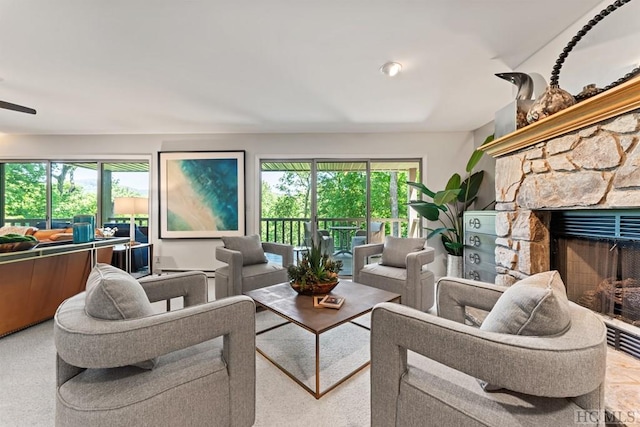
x=123 y=256
x=344 y=238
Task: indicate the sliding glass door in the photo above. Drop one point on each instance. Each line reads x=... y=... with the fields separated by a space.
x=343 y=203
x=285 y=202
x=341 y=206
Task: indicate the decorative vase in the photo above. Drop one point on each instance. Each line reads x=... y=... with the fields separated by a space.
x=454 y=265
x=552 y=100
x=82 y=232
x=315 y=288
x=91 y=220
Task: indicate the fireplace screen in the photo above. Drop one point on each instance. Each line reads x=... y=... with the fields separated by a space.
x=601 y=274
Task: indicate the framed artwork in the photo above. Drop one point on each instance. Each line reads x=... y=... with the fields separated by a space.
x=202 y=194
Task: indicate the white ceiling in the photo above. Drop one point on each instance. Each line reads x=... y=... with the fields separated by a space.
x=209 y=66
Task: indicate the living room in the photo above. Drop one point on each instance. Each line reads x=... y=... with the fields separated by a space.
x=284 y=81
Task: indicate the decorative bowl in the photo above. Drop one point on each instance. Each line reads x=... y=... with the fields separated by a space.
x=107 y=232
x=314 y=289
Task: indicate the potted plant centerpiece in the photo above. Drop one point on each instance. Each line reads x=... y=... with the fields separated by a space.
x=448 y=206
x=316 y=273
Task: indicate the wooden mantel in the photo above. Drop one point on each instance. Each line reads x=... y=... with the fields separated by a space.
x=613 y=102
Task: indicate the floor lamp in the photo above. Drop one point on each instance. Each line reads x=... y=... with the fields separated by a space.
x=131 y=206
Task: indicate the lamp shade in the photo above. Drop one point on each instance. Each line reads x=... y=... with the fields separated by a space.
x=130 y=205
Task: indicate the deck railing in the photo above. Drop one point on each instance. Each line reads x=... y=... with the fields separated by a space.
x=292 y=232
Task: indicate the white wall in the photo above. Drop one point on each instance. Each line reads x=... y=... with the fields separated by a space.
x=442 y=153
x=487 y=193
x=602 y=56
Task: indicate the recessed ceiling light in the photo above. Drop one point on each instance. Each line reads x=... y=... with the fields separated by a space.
x=391 y=68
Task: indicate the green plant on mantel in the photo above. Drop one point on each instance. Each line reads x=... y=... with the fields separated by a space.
x=448 y=206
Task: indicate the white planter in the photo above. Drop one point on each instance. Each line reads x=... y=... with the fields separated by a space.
x=454 y=266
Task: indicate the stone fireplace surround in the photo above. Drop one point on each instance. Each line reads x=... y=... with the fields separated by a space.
x=596 y=167
x=584 y=157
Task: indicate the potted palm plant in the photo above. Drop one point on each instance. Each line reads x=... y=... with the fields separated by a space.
x=447 y=207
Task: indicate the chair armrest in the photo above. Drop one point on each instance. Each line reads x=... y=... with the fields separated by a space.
x=235 y=261
x=454 y=294
x=360 y=254
x=415 y=261
x=192 y=286
x=82 y=340
x=559 y=366
x=282 y=249
x=228 y=255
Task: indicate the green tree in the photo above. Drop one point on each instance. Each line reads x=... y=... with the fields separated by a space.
x=69 y=199
x=341 y=194
x=293 y=199
x=268 y=200
x=25 y=191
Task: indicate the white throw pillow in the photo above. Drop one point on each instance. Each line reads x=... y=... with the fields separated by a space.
x=396 y=249
x=112 y=294
x=535 y=306
x=250 y=246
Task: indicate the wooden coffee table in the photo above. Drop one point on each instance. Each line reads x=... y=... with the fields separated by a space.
x=299 y=310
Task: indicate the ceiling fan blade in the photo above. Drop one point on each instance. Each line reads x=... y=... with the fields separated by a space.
x=16 y=107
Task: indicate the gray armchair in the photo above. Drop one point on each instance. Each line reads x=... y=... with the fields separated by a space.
x=360 y=237
x=538 y=380
x=198 y=380
x=401 y=270
x=247 y=270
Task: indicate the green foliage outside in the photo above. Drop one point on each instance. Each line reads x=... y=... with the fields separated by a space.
x=340 y=195
x=25 y=192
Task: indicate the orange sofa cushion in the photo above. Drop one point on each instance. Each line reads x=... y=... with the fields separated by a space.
x=49 y=234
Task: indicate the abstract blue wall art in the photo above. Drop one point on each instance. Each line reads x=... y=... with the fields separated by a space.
x=201 y=194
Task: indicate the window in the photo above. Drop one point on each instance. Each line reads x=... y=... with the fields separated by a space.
x=73 y=192
x=124 y=180
x=23 y=187
x=47 y=194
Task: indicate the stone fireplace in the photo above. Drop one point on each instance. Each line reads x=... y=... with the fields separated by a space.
x=597 y=167
x=580 y=161
x=585 y=173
